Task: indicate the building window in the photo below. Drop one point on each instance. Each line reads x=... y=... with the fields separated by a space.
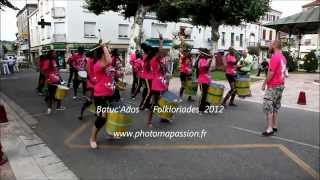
x=48 y=32
x=307 y=42
x=264 y=34
x=241 y=40
x=157 y=28
x=232 y=39
x=89 y=29
x=270 y=36
x=223 y=39
x=123 y=31
x=59 y=28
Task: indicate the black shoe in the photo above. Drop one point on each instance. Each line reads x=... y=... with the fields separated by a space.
x=275 y=129
x=190 y=99
x=165 y=121
x=80 y=118
x=267 y=133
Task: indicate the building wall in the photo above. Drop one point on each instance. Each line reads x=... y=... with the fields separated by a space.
x=69 y=28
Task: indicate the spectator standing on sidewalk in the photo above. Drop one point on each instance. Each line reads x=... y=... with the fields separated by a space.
x=263 y=67
x=274 y=86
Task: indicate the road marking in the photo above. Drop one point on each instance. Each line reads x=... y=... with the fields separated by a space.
x=276 y=137
x=282 y=148
x=300 y=162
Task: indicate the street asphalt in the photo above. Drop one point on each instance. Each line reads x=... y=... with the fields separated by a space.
x=231 y=149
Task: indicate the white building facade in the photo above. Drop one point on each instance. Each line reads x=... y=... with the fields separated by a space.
x=72 y=26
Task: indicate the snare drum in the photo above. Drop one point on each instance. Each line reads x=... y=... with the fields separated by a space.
x=243 y=87
x=83 y=75
x=215 y=93
x=121 y=85
x=61 y=92
x=190 y=88
x=117 y=121
x=167 y=100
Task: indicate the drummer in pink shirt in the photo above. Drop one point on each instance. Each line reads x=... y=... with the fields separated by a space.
x=137 y=66
x=103 y=88
x=90 y=83
x=204 y=78
x=275 y=86
x=146 y=76
x=78 y=62
x=159 y=85
x=185 y=70
x=231 y=75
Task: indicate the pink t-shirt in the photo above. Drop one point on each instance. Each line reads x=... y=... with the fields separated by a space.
x=51 y=71
x=230 y=68
x=158 y=80
x=204 y=77
x=138 y=65
x=277 y=65
x=145 y=73
x=104 y=83
x=90 y=70
x=185 y=66
x=78 y=61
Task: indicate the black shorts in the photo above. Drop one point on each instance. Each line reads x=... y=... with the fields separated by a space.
x=231 y=78
x=184 y=77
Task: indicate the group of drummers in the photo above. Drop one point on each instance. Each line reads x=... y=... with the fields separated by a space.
x=100 y=73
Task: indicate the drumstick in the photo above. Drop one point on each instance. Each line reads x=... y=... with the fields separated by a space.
x=99 y=46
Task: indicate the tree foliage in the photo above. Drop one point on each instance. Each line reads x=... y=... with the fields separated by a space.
x=310 y=62
x=127 y=8
x=204 y=12
x=7 y=3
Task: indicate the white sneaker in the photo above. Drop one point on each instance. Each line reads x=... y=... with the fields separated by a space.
x=74 y=97
x=49 y=111
x=61 y=108
x=93 y=144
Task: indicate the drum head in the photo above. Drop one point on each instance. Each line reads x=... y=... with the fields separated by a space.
x=82 y=74
x=63 y=87
x=217 y=85
x=171 y=97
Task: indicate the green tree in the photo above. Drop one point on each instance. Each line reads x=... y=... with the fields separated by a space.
x=214 y=13
x=5 y=49
x=7 y=3
x=310 y=62
x=129 y=8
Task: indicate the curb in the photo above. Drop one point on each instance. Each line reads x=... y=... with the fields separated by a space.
x=28 y=154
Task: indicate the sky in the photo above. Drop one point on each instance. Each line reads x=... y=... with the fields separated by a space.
x=9 y=27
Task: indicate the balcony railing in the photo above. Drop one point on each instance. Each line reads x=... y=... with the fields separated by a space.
x=59 y=37
x=58 y=12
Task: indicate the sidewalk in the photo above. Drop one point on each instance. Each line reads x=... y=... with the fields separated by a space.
x=293 y=85
x=29 y=157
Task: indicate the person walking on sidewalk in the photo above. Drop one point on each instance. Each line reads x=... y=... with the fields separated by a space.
x=103 y=89
x=53 y=79
x=231 y=75
x=274 y=86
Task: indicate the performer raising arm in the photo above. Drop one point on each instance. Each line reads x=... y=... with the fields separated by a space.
x=103 y=88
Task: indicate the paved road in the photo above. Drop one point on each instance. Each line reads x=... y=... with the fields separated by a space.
x=232 y=148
